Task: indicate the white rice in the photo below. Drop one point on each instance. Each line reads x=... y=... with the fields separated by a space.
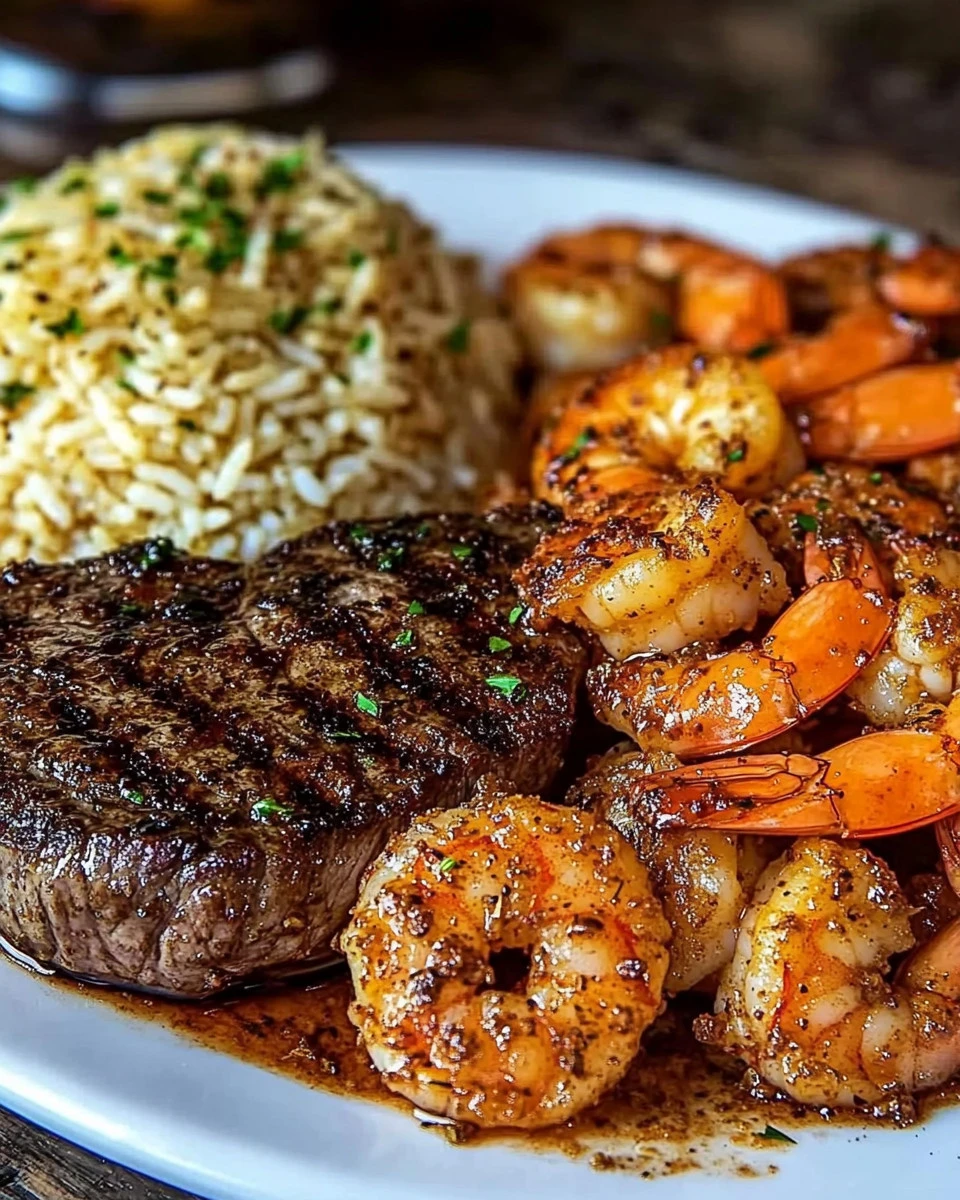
x=225 y=338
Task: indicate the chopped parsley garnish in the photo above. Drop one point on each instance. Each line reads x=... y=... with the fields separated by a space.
x=127 y=386
x=822 y=505
x=331 y=306
x=24 y=185
x=875 y=477
x=462 y=551
x=287 y=239
x=508 y=685
x=21 y=235
x=12 y=393
x=356 y=258
x=737 y=454
x=448 y=865
x=156 y=553
x=126 y=355
x=415 y=608
x=109 y=208
x=134 y=796
x=366 y=705
x=71 y=323
x=164 y=266
x=498 y=645
x=219 y=186
x=661 y=323
x=458 y=339
x=579 y=443
x=404 y=639
x=190 y=426
x=391 y=558
x=222 y=257
x=280 y=174
x=761 y=350
x=516 y=613
x=117 y=254
x=345 y=735
x=131 y=610
x=268 y=807
x=152 y=196
x=76 y=184
x=288 y=320
x=362 y=342
x=806 y=522
x=773 y=1134
x=359 y=533
x=880 y=242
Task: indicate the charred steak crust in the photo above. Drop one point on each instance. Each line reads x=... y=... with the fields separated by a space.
x=199 y=758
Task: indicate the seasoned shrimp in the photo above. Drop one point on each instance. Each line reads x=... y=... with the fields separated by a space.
x=656 y=572
x=702 y=878
x=855 y=343
x=886 y=417
x=444 y=913
x=806 y=1002
x=939 y=471
x=672 y=409
x=582 y=302
x=824 y=282
x=729 y=700
x=926 y=284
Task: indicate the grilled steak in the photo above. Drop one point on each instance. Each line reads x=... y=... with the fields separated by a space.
x=199 y=758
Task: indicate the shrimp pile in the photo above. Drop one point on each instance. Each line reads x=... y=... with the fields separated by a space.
x=756 y=470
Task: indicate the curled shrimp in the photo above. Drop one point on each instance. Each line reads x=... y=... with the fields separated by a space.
x=890 y=416
x=674 y=409
x=655 y=572
x=703 y=878
x=805 y=1001
x=582 y=302
x=814 y=651
x=821 y=283
x=441 y=913
x=855 y=343
x=926 y=284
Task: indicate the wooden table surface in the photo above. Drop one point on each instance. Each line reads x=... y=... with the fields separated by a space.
x=852 y=101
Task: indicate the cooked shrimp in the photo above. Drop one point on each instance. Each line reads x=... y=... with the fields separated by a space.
x=733 y=699
x=582 y=302
x=656 y=572
x=939 y=471
x=926 y=284
x=824 y=282
x=805 y=1001
x=877 y=785
x=886 y=417
x=855 y=343
x=703 y=879
x=448 y=904
x=672 y=409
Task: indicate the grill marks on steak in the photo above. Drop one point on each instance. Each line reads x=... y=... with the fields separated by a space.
x=189 y=790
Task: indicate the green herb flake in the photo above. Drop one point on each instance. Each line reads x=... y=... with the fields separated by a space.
x=11 y=394
x=134 y=796
x=156 y=552
x=286 y=321
x=822 y=505
x=806 y=522
x=737 y=454
x=280 y=174
x=761 y=350
x=117 y=254
x=345 y=735
x=498 y=645
x=516 y=613
x=109 y=208
x=219 y=186
x=362 y=342
x=462 y=551
x=127 y=386
x=366 y=705
x=415 y=608
x=404 y=639
x=72 y=323
x=76 y=184
x=880 y=242
x=164 y=266
x=448 y=865
x=126 y=355
x=221 y=258
x=508 y=685
x=391 y=558
x=26 y=185
x=329 y=307
x=131 y=610
x=21 y=235
x=152 y=196
x=577 y=446
x=287 y=239
x=356 y=258
x=267 y=807
x=359 y=533
x=171 y=295
x=190 y=426
x=773 y=1134
x=875 y=477
x=457 y=340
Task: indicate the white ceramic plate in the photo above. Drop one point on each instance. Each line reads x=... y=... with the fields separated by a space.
x=135 y=1093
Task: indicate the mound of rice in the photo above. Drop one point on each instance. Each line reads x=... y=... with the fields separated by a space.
x=225 y=338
